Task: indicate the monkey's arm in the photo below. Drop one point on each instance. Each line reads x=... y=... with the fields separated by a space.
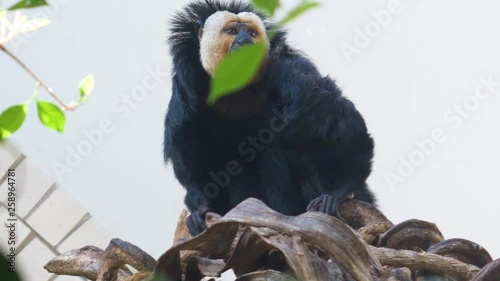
x=339 y=141
x=321 y=118
x=184 y=147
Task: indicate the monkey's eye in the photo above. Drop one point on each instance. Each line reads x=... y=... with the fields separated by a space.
x=231 y=31
x=252 y=33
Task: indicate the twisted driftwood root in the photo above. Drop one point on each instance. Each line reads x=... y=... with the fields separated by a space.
x=258 y=243
x=109 y=265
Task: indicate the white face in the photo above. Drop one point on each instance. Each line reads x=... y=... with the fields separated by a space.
x=216 y=42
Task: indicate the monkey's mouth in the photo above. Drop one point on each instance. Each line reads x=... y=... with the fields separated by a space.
x=237 y=46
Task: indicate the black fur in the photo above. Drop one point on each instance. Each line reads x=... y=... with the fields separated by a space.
x=325 y=147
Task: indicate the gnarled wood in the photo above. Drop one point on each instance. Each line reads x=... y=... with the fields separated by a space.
x=426 y=261
x=261 y=244
x=490 y=272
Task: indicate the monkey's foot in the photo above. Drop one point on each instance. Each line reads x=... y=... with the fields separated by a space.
x=196 y=221
x=329 y=203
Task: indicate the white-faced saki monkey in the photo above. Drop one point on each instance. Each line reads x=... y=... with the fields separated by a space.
x=289 y=138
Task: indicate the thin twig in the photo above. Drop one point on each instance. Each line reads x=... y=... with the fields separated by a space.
x=38 y=80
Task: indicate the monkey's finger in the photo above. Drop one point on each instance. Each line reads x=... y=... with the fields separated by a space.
x=324 y=204
x=191 y=225
x=332 y=205
x=199 y=222
x=314 y=205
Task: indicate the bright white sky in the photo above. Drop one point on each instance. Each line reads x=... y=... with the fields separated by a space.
x=408 y=80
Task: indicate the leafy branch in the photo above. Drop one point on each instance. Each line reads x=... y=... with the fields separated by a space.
x=51 y=115
x=38 y=80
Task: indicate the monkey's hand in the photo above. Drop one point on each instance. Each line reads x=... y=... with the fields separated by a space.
x=196 y=221
x=329 y=203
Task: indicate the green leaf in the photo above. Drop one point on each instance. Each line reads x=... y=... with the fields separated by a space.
x=299 y=10
x=268 y=6
x=86 y=85
x=5 y=273
x=236 y=71
x=12 y=119
x=51 y=115
x=28 y=4
x=83 y=100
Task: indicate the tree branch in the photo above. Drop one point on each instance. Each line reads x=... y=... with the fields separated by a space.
x=37 y=79
x=425 y=261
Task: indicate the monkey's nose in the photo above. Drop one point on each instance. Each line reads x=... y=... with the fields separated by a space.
x=242 y=39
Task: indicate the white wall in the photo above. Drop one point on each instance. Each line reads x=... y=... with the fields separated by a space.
x=427 y=59
x=48 y=221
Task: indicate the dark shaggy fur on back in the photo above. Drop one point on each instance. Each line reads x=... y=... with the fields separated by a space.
x=324 y=149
